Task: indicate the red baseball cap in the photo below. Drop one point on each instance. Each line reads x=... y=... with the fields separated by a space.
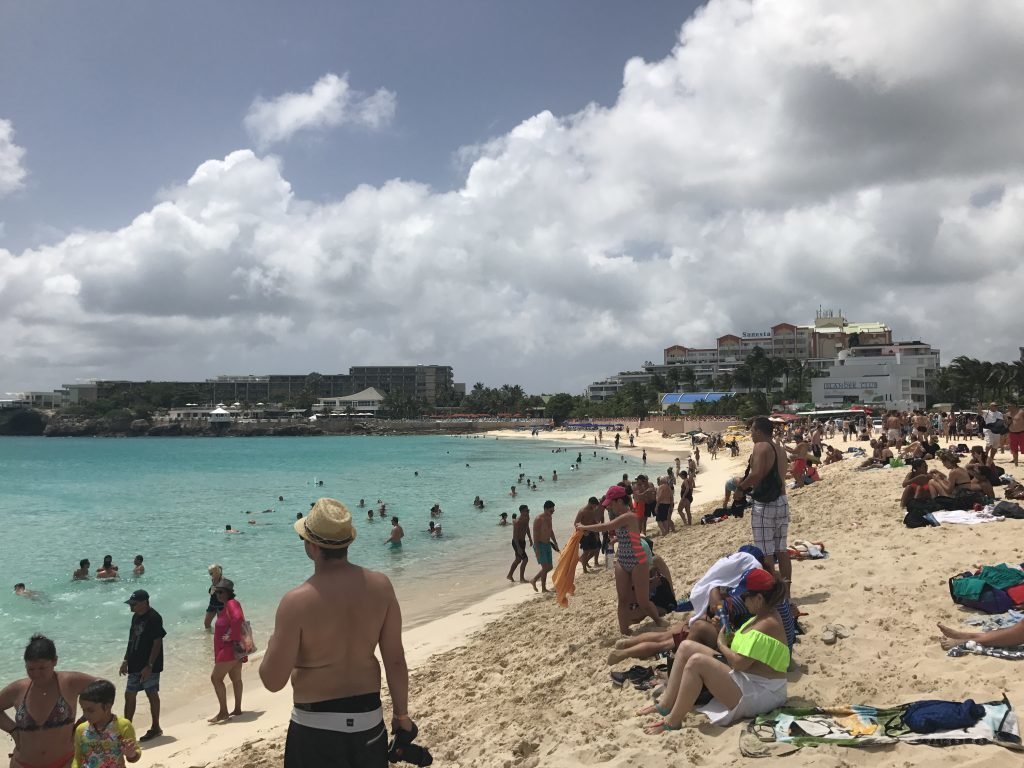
x=613 y=493
x=754 y=580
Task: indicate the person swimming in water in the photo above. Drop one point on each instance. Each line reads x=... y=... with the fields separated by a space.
x=108 y=570
x=82 y=574
x=229 y=529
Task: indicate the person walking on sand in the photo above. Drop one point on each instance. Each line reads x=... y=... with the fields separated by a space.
x=1016 y=432
x=144 y=659
x=765 y=483
x=685 y=497
x=228 y=655
x=520 y=533
x=394 y=539
x=590 y=543
x=663 y=512
x=543 y=543
x=326 y=634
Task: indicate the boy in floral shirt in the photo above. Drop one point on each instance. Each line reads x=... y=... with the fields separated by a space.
x=104 y=740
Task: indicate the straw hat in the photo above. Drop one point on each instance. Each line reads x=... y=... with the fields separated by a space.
x=328 y=525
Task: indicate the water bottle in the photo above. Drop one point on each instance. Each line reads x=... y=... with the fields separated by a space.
x=723 y=618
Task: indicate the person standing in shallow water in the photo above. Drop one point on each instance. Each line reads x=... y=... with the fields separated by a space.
x=394 y=539
x=326 y=633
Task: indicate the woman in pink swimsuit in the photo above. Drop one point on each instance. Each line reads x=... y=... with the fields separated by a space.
x=227 y=656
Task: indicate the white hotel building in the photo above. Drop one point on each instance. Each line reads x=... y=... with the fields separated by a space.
x=896 y=376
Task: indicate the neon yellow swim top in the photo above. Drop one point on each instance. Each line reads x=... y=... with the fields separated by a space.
x=761 y=647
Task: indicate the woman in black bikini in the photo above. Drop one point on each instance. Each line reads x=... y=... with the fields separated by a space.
x=45 y=705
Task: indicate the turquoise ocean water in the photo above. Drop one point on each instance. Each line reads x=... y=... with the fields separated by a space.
x=169 y=500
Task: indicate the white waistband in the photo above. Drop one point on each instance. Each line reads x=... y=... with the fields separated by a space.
x=342 y=722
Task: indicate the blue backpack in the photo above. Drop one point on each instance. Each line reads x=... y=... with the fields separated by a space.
x=933 y=715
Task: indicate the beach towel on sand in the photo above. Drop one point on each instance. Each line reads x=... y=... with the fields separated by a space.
x=564 y=576
x=863 y=726
x=1015 y=653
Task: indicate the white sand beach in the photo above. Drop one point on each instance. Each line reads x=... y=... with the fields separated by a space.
x=519 y=681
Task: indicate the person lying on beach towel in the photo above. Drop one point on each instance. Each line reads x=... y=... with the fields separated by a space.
x=1011 y=637
x=751 y=681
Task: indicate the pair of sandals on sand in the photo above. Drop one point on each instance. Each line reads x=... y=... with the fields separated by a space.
x=833 y=632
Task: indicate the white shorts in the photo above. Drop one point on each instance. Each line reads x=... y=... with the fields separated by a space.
x=758 y=695
x=894 y=434
x=992 y=440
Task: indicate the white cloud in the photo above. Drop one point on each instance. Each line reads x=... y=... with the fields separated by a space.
x=12 y=172
x=774 y=161
x=329 y=103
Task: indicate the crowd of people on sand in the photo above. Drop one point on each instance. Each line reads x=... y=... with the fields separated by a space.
x=730 y=657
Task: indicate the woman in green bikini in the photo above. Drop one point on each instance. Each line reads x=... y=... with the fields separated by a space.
x=752 y=678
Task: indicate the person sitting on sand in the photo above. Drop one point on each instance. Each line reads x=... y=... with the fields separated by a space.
x=997 y=638
x=880 y=455
x=82 y=574
x=917 y=484
x=751 y=681
x=832 y=455
x=959 y=483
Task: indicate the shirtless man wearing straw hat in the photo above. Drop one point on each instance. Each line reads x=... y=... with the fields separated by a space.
x=325 y=635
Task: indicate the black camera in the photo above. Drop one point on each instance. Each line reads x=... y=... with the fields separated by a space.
x=403 y=750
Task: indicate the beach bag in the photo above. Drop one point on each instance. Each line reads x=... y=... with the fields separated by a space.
x=990 y=600
x=247 y=644
x=997 y=427
x=1008 y=509
x=934 y=715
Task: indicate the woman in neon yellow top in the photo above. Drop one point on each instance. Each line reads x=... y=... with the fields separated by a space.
x=751 y=681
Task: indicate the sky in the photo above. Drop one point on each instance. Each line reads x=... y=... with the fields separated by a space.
x=534 y=193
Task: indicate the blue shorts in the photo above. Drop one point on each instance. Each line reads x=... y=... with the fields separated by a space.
x=135 y=683
x=543 y=550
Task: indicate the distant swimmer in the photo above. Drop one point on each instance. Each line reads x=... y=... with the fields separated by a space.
x=139 y=568
x=252 y=522
x=503 y=518
x=478 y=502
x=512 y=492
x=394 y=539
x=369 y=515
x=416 y=474
x=108 y=570
x=229 y=529
x=438 y=533
x=431 y=527
x=298 y=515
x=643 y=458
x=82 y=574
x=362 y=503
x=435 y=511
x=280 y=498
x=21 y=591
x=554 y=476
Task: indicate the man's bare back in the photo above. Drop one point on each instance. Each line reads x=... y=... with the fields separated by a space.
x=338 y=618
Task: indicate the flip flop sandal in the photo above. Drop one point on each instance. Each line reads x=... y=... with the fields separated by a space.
x=661 y=727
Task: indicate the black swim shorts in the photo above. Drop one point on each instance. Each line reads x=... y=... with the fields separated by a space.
x=664 y=512
x=649 y=508
x=590 y=540
x=519 y=547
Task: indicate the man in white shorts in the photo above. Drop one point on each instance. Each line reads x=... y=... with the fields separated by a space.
x=765 y=483
x=993 y=418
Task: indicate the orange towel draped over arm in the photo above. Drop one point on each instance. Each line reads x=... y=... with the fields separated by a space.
x=564 y=575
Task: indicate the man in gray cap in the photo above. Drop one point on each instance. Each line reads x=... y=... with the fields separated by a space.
x=144 y=659
x=325 y=636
